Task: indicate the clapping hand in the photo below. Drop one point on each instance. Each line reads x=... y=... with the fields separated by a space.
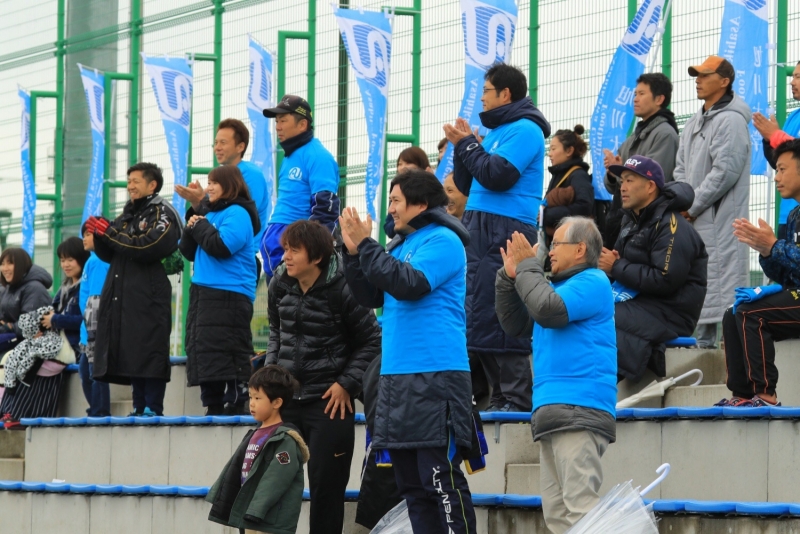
x=194 y=193
x=760 y=238
x=517 y=250
x=765 y=126
x=354 y=230
x=610 y=159
x=607 y=260
x=193 y=219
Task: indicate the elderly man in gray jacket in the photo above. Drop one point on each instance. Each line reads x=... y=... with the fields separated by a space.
x=714 y=158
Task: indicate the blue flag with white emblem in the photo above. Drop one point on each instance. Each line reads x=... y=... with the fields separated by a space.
x=367 y=37
x=489 y=28
x=93 y=87
x=613 y=113
x=743 y=41
x=29 y=189
x=172 y=84
x=259 y=97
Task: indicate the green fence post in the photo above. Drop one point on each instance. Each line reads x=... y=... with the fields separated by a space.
x=780 y=81
x=133 y=119
x=311 y=37
x=632 y=9
x=666 y=47
x=108 y=181
x=533 y=52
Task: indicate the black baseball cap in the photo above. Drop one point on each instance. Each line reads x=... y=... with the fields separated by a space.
x=291 y=104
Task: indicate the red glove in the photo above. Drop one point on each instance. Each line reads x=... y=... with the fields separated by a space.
x=91 y=224
x=101 y=225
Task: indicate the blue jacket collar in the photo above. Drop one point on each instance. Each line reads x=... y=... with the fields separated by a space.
x=521 y=109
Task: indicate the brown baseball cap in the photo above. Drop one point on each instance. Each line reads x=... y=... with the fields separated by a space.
x=712 y=65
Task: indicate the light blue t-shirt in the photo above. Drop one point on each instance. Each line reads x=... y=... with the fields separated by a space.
x=577 y=364
x=237 y=273
x=309 y=170
x=792 y=127
x=521 y=143
x=257 y=184
x=92 y=280
x=429 y=334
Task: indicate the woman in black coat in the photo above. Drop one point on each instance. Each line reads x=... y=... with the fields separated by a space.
x=219 y=342
x=570 y=191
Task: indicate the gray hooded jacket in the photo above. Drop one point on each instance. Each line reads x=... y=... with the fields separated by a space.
x=714 y=158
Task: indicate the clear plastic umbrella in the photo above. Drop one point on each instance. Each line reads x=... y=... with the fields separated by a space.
x=657 y=389
x=622 y=511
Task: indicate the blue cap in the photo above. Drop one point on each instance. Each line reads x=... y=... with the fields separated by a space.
x=644 y=167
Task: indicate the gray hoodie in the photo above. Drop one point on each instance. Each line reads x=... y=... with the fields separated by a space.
x=714 y=158
x=29 y=295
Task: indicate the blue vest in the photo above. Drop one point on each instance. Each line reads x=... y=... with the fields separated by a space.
x=309 y=170
x=237 y=273
x=521 y=143
x=429 y=334
x=577 y=364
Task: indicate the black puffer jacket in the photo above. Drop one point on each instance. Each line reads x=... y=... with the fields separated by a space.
x=322 y=336
x=580 y=181
x=664 y=259
x=30 y=294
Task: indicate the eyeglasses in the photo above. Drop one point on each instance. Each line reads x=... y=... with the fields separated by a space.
x=556 y=244
x=487 y=89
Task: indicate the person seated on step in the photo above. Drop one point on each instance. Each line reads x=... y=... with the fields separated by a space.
x=762 y=316
x=658 y=267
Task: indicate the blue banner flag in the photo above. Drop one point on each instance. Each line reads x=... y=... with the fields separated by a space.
x=613 y=114
x=259 y=97
x=743 y=41
x=29 y=194
x=367 y=37
x=93 y=87
x=489 y=28
x=172 y=84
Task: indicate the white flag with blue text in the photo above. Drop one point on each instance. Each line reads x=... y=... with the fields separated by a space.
x=489 y=28
x=367 y=37
x=29 y=189
x=172 y=82
x=743 y=41
x=613 y=114
x=259 y=97
x=93 y=87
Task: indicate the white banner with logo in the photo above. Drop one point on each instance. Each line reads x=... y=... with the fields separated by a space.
x=259 y=97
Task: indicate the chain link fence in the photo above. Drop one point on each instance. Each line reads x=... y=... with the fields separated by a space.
x=574 y=50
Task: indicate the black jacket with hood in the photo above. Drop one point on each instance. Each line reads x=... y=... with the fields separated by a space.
x=412 y=410
x=664 y=259
x=580 y=181
x=321 y=336
x=30 y=294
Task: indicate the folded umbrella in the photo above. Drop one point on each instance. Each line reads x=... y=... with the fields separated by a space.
x=657 y=389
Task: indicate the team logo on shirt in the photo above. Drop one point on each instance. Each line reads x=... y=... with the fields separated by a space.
x=283 y=458
x=295 y=173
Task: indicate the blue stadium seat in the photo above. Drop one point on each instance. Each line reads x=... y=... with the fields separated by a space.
x=695 y=412
x=163 y=490
x=522 y=501
x=135 y=489
x=57 y=487
x=487 y=499
x=193 y=491
x=82 y=488
x=669 y=505
x=711 y=507
x=681 y=342
x=762 y=508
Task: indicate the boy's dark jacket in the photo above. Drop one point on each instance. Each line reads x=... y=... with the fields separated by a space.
x=270 y=498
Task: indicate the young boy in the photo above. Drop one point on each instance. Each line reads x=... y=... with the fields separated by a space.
x=94 y=276
x=260 y=489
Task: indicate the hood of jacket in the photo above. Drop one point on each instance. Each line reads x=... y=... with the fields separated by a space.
x=37 y=274
x=521 y=109
x=248 y=205
x=561 y=168
x=439 y=216
x=734 y=105
x=295 y=435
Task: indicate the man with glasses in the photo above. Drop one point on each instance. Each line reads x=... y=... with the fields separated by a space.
x=658 y=267
x=503 y=176
x=774 y=136
x=573 y=397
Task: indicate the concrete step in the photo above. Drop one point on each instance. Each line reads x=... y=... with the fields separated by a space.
x=695 y=396
x=12 y=468
x=705 y=456
x=12 y=444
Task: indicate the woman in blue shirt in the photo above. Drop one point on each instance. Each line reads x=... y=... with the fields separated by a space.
x=219 y=343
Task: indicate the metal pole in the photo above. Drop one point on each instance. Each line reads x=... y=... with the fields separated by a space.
x=58 y=178
x=533 y=52
x=780 y=81
x=108 y=181
x=133 y=119
x=341 y=117
x=218 y=11
x=666 y=47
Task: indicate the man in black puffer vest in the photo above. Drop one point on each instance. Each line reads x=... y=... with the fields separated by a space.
x=326 y=340
x=658 y=267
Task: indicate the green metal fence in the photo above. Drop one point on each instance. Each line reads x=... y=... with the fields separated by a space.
x=565 y=46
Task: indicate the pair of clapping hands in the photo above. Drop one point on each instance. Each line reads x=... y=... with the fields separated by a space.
x=517 y=250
